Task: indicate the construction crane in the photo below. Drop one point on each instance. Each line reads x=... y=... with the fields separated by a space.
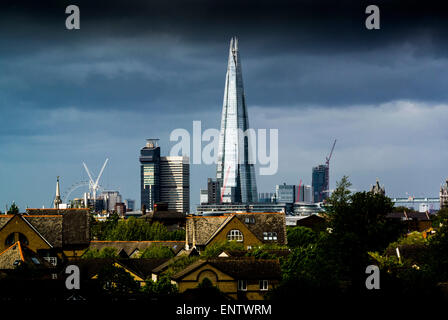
x=94 y=184
x=327 y=159
x=327 y=170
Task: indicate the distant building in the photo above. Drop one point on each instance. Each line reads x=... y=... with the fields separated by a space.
x=266 y=197
x=235 y=170
x=110 y=199
x=285 y=193
x=120 y=209
x=150 y=174
x=217 y=209
x=130 y=204
x=175 y=183
x=306 y=209
x=320 y=178
x=377 y=189
x=214 y=191
x=203 y=197
x=443 y=195
x=305 y=194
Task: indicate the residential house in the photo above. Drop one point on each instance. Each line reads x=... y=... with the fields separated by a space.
x=249 y=229
x=238 y=278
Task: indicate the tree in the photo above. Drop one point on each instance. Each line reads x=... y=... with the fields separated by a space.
x=100 y=254
x=117 y=281
x=438 y=254
x=301 y=236
x=13 y=209
x=161 y=287
x=133 y=229
x=358 y=225
x=440 y=218
x=213 y=250
x=157 y=251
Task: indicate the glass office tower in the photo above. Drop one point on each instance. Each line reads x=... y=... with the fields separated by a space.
x=320 y=183
x=235 y=172
x=150 y=174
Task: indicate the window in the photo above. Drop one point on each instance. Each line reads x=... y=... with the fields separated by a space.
x=242 y=285
x=264 y=285
x=235 y=235
x=249 y=220
x=9 y=240
x=51 y=260
x=270 y=236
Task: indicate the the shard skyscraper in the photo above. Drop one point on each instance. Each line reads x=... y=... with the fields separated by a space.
x=235 y=172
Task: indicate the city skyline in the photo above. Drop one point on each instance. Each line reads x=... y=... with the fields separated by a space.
x=73 y=97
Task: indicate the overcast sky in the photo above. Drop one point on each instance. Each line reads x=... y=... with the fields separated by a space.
x=140 y=69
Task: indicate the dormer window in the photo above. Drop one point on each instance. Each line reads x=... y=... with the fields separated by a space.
x=235 y=235
x=249 y=220
x=270 y=236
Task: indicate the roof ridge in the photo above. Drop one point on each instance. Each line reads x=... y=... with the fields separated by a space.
x=37 y=231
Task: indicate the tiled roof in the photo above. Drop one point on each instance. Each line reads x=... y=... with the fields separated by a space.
x=130 y=246
x=51 y=211
x=49 y=227
x=57 y=230
x=421 y=216
x=75 y=228
x=9 y=256
x=142 y=267
x=20 y=252
x=205 y=227
x=269 y=222
x=239 y=268
x=91 y=267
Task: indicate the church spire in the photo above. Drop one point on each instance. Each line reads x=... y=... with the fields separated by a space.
x=57 y=198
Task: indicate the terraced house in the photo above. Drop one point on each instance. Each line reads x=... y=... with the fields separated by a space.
x=237 y=278
x=54 y=236
x=249 y=229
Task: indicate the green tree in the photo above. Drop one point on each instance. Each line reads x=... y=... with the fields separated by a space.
x=437 y=259
x=440 y=218
x=301 y=237
x=213 y=250
x=100 y=254
x=157 y=251
x=117 y=281
x=358 y=225
x=161 y=287
x=13 y=209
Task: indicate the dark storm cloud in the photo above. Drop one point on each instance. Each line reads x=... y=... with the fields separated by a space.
x=309 y=52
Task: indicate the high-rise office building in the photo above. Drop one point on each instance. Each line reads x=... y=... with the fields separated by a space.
x=234 y=171
x=150 y=174
x=320 y=180
x=213 y=191
x=175 y=183
x=285 y=193
x=304 y=194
